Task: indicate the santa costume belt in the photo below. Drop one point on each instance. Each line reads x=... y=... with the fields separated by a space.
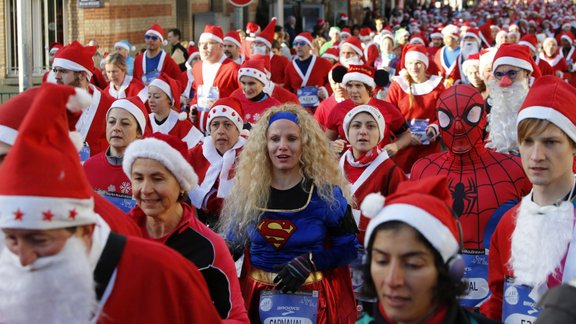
x=266 y=277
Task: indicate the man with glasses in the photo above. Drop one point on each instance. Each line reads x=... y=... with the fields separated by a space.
x=73 y=66
x=307 y=76
x=154 y=60
x=263 y=45
x=513 y=69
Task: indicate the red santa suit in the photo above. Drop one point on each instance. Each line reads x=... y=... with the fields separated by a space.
x=166 y=65
x=372 y=172
x=425 y=95
x=215 y=173
x=557 y=63
x=105 y=176
x=130 y=87
x=280 y=94
x=545 y=68
x=395 y=122
x=315 y=75
x=222 y=75
x=183 y=129
x=207 y=251
x=278 y=64
x=323 y=111
x=92 y=122
x=253 y=110
x=49 y=76
x=371 y=53
x=98 y=79
x=448 y=71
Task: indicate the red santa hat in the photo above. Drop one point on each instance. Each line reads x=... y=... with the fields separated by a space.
x=169 y=86
x=12 y=112
x=54 y=47
x=531 y=41
x=252 y=28
x=346 y=32
x=485 y=33
x=474 y=33
x=266 y=36
x=360 y=73
x=437 y=33
x=42 y=183
x=254 y=68
x=304 y=37
x=515 y=55
x=230 y=108
x=355 y=44
x=373 y=111
x=387 y=33
x=156 y=30
x=192 y=50
x=472 y=60
x=551 y=99
x=417 y=39
x=567 y=36
x=451 y=30
x=414 y=52
x=265 y=59
x=136 y=108
x=169 y=150
x=425 y=206
x=332 y=53
x=365 y=34
x=233 y=37
x=75 y=57
x=343 y=17
x=212 y=32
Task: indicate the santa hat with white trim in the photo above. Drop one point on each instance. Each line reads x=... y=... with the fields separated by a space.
x=169 y=86
x=332 y=53
x=414 y=52
x=373 y=111
x=360 y=73
x=451 y=30
x=75 y=57
x=355 y=44
x=551 y=99
x=474 y=33
x=230 y=108
x=252 y=29
x=125 y=45
x=254 y=68
x=158 y=31
x=515 y=55
x=136 y=108
x=169 y=150
x=12 y=113
x=266 y=36
x=304 y=37
x=472 y=60
x=425 y=206
x=531 y=41
x=212 y=32
x=364 y=34
x=233 y=37
x=42 y=183
x=345 y=32
x=54 y=47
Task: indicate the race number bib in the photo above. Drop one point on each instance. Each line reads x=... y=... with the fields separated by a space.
x=278 y=307
x=150 y=76
x=84 y=153
x=206 y=97
x=418 y=128
x=122 y=201
x=519 y=304
x=475 y=277
x=308 y=96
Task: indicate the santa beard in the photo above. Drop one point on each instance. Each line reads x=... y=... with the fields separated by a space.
x=540 y=241
x=54 y=289
x=350 y=61
x=469 y=48
x=503 y=136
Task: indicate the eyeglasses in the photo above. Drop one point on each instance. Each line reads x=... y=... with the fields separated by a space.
x=300 y=43
x=512 y=74
x=151 y=37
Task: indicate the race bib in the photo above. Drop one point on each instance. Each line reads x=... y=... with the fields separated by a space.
x=418 y=128
x=519 y=304
x=475 y=277
x=124 y=202
x=296 y=308
x=308 y=96
x=150 y=76
x=206 y=97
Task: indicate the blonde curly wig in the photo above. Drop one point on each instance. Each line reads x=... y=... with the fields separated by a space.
x=254 y=173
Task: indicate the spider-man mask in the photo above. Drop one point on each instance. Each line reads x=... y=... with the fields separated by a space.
x=462 y=118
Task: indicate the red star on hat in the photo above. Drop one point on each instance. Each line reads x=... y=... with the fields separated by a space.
x=18 y=215
x=47 y=216
x=73 y=214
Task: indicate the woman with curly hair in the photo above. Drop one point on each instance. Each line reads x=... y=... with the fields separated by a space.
x=288 y=209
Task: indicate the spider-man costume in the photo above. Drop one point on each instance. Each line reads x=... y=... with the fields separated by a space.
x=484 y=183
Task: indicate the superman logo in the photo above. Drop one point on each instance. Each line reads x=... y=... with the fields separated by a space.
x=276 y=232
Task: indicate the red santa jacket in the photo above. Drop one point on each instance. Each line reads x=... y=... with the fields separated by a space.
x=278 y=64
x=130 y=87
x=107 y=177
x=371 y=53
x=281 y=94
x=253 y=110
x=379 y=175
x=92 y=122
x=183 y=129
x=323 y=111
x=316 y=75
x=166 y=65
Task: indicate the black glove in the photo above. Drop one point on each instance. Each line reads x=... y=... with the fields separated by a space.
x=294 y=273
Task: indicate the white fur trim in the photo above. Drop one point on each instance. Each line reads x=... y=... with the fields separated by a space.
x=183 y=115
x=79 y=101
x=209 y=36
x=255 y=73
x=374 y=112
x=330 y=56
x=550 y=114
x=509 y=60
x=416 y=56
x=304 y=39
x=418 y=89
x=232 y=40
x=77 y=140
x=225 y=111
x=33 y=209
x=155 y=149
x=436 y=35
x=428 y=225
x=71 y=65
x=155 y=33
x=372 y=205
x=132 y=109
x=356 y=49
x=8 y=135
x=163 y=86
x=361 y=77
x=525 y=43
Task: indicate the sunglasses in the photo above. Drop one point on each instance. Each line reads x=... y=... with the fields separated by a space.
x=512 y=74
x=300 y=43
x=151 y=37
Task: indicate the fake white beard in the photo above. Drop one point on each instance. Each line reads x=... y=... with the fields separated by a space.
x=469 y=48
x=506 y=102
x=54 y=289
x=259 y=50
x=540 y=240
x=350 y=61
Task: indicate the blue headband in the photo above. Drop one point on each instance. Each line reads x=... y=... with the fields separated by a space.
x=284 y=115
